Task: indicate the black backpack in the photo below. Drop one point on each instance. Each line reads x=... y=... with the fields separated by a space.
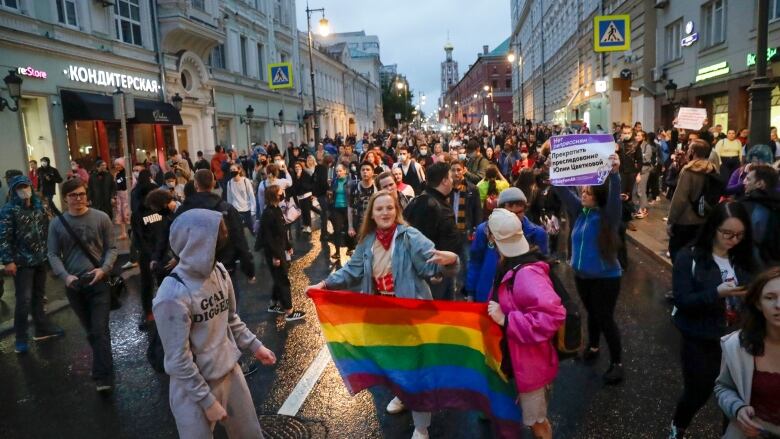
x=709 y=197
x=568 y=341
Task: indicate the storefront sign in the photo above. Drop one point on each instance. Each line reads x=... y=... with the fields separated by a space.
x=690 y=37
x=31 y=72
x=601 y=86
x=691 y=118
x=771 y=56
x=159 y=116
x=580 y=159
x=111 y=79
x=712 y=71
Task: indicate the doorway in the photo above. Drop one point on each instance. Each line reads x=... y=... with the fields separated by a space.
x=182 y=138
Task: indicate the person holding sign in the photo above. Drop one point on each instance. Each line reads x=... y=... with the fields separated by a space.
x=597 y=272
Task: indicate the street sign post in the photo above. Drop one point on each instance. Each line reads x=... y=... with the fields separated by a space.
x=280 y=75
x=611 y=33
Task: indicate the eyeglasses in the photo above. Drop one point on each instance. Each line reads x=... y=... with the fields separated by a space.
x=728 y=234
x=76 y=195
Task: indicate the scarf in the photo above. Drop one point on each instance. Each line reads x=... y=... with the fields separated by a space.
x=385 y=237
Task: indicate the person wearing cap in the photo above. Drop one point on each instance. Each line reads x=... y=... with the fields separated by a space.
x=595 y=218
x=102 y=188
x=393 y=259
x=525 y=304
x=483 y=258
x=24 y=223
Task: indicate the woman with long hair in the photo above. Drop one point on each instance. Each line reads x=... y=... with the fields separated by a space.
x=302 y=190
x=393 y=259
x=595 y=216
x=277 y=248
x=338 y=209
x=527 y=307
x=748 y=386
x=708 y=280
x=490 y=187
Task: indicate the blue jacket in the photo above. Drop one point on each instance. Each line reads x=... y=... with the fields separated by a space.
x=586 y=259
x=410 y=269
x=483 y=259
x=507 y=161
x=23 y=230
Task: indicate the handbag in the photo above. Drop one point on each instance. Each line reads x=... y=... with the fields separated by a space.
x=116 y=284
x=290 y=211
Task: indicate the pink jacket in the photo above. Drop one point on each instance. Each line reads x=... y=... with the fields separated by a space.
x=533 y=315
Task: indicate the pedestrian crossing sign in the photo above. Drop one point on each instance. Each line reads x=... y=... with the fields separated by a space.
x=280 y=75
x=611 y=33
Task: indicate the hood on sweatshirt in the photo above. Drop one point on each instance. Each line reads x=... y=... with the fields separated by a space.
x=702 y=166
x=16 y=182
x=194 y=240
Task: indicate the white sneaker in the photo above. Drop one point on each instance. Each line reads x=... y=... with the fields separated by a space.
x=129 y=264
x=420 y=434
x=396 y=406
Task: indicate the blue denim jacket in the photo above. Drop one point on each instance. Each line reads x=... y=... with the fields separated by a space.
x=410 y=269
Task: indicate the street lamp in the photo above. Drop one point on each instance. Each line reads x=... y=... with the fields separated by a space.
x=14 y=84
x=510 y=57
x=247 y=120
x=176 y=100
x=324 y=31
x=671 y=91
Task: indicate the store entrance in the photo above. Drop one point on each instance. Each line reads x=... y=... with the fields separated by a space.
x=37 y=132
x=182 y=138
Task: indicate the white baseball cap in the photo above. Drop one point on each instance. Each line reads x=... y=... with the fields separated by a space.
x=507 y=230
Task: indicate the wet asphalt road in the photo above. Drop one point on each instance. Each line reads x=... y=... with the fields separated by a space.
x=48 y=393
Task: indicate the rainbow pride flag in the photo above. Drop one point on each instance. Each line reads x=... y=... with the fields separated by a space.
x=433 y=355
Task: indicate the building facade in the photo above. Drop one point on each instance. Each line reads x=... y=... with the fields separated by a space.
x=483 y=96
x=560 y=78
x=449 y=70
x=710 y=57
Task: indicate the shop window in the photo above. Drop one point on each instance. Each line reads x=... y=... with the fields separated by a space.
x=774 y=117
x=13 y=4
x=720 y=111
x=83 y=142
x=217 y=57
x=127 y=15
x=673 y=49
x=142 y=142
x=223 y=132
x=713 y=17
x=66 y=12
x=199 y=5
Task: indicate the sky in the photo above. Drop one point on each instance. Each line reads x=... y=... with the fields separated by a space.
x=412 y=33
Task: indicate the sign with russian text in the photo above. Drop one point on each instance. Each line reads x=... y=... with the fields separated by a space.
x=611 y=33
x=580 y=159
x=111 y=79
x=280 y=75
x=690 y=118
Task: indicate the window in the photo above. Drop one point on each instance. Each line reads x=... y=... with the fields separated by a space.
x=714 y=28
x=66 y=12
x=14 y=4
x=673 y=49
x=508 y=83
x=283 y=57
x=243 y=55
x=260 y=63
x=279 y=12
x=127 y=14
x=494 y=84
x=217 y=57
x=199 y=5
x=774 y=9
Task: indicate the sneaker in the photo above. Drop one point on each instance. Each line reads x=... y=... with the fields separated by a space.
x=104 y=386
x=395 y=406
x=642 y=214
x=21 y=347
x=48 y=333
x=129 y=264
x=614 y=375
x=420 y=434
x=669 y=296
x=275 y=308
x=295 y=315
x=676 y=433
x=307 y=229
x=590 y=355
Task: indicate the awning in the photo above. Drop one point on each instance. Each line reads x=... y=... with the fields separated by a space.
x=92 y=106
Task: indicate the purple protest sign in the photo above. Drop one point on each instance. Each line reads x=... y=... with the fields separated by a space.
x=580 y=159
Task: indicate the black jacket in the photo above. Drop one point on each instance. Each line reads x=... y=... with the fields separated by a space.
x=148 y=228
x=237 y=248
x=302 y=184
x=319 y=179
x=102 y=187
x=700 y=312
x=431 y=214
x=274 y=232
x=48 y=178
x=473 y=206
x=630 y=160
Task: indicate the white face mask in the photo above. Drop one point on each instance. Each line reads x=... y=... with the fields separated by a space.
x=25 y=193
x=279 y=163
x=461 y=156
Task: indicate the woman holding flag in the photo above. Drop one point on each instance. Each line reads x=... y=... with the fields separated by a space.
x=394 y=259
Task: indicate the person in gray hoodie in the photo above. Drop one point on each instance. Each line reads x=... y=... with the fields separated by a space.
x=195 y=311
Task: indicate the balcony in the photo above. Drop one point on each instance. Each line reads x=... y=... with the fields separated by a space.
x=184 y=27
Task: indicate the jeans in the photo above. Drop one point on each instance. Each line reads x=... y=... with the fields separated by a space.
x=641 y=188
x=459 y=283
x=700 y=367
x=600 y=297
x=91 y=305
x=30 y=285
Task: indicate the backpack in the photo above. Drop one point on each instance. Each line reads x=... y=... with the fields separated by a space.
x=568 y=340
x=709 y=196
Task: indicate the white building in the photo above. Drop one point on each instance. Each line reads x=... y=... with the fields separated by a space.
x=449 y=70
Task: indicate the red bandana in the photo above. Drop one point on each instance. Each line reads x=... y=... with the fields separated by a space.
x=385 y=237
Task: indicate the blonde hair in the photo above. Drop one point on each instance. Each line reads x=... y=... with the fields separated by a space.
x=369 y=225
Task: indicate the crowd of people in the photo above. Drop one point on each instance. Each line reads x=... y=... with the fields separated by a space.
x=467 y=214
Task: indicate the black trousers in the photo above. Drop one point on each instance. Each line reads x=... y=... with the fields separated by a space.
x=30 y=286
x=91 y=305
x=700 y=360
x=305 y=205
x=147 y=283
x=338 y=216
x=280 y=292
x=627 y=183
x=599 y=296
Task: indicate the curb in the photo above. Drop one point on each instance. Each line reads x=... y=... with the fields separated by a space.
x=8 y=326
x=658 y=258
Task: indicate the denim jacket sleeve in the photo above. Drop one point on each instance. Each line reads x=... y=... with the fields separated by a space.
x=351 y=273
x=726 y=393
x=421 y=249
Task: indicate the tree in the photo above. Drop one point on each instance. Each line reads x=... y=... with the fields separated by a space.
x=396 y=101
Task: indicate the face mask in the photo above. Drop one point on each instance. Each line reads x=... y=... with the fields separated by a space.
x=24 y=194
x=423 y=152
x=279 y=163
x=233 y=174
x=171 y=185
x=626 y=137
x=75 y=168
x=44 y=164
x=461 y=156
